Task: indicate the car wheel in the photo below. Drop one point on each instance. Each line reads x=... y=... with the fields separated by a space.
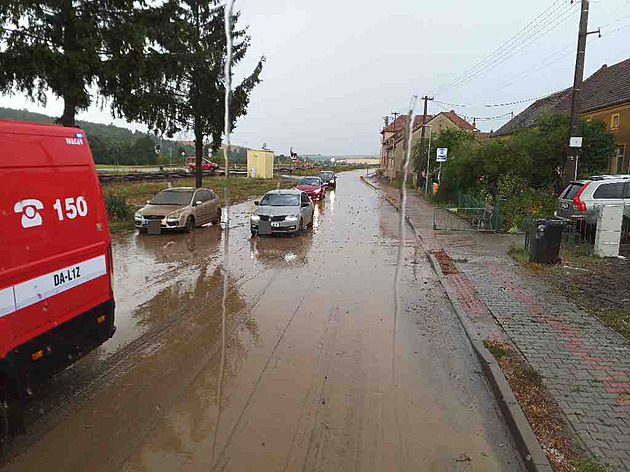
x=298 y=229
x=217 y=219
x=190 y=224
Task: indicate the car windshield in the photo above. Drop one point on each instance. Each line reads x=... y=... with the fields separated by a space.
x=172 y=197
x=278 y=199
x=314 y=181
x=326 y=176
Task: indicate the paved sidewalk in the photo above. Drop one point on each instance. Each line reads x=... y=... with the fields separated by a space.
x=584 y=364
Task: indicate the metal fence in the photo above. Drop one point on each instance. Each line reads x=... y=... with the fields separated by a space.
x=470 y=214
x=464 y=219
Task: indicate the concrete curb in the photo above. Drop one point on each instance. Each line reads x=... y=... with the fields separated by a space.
x=524 y=437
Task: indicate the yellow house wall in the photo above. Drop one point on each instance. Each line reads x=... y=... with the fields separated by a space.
x=622 y=134
x=261 y=162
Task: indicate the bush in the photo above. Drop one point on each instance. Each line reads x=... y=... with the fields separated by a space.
x=521 y=203
x=117 y=207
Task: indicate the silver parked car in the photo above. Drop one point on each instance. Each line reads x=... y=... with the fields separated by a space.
x=282 y=211
x=180 y=208
x=582 y=199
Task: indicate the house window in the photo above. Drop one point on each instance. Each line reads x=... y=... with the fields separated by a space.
x=614 y=122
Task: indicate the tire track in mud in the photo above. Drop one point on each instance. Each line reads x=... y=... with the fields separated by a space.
x=325 y=336
x=262 y=372
x=115 y=366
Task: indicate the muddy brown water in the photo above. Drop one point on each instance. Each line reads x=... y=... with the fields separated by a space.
x=308 y=381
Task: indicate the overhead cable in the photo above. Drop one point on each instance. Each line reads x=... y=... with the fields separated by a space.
x=531 y=33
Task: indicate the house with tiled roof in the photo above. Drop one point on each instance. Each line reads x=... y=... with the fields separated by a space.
x=605 y=95
x=392 y=138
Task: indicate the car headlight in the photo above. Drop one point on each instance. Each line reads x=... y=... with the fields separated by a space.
x=138 y=215
x=291 y=218
x=172 y=218
x=255 y=218
x=317 y=190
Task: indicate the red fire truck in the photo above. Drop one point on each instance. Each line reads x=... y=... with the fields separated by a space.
x=56 y=298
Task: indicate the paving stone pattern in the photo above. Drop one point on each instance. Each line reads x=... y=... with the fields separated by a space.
x=584 y=364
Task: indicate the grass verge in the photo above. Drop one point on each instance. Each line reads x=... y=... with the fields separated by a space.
x=541 y=411
x=123 y=199
x=596 y=284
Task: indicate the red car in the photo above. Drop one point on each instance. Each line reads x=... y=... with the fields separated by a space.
x=56 y=299
x=206 y=165
x=313 y=186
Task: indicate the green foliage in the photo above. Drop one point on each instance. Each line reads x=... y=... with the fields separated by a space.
x=457 y=141
x=532 y=376
x=67 y=48
x=520 y=202
x=495 y=348
x=522 y=173
x=183 y=79
x=599 y=145
x=117 y=207
x=589 y=465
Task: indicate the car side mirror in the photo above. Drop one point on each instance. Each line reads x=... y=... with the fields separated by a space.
x=198 y=202
x=256 y=202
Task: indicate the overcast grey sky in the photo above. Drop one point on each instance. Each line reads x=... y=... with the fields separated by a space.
x=336 y=67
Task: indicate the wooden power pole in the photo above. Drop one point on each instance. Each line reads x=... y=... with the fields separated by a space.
x=396 y=115
x=422 y=138
x=571 y=167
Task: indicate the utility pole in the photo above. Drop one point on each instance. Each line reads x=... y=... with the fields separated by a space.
x=384 y=158
x=424 y=122
x=396 y=115
x=571 y=167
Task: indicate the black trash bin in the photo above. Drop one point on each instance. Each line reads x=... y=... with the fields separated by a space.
x=544 y=238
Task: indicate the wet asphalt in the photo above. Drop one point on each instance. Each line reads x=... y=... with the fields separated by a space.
x=310 y=368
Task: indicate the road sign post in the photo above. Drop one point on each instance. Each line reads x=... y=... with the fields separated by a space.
x=442 y=155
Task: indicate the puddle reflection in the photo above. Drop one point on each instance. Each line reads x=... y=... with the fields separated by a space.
x=181 y=247
x=282 y=251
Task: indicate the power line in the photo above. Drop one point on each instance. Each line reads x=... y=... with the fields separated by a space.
x=494 y=105
x=524 y=38
x=505 y=45
x=478 y=118
x=501 y=59
x=549 y=61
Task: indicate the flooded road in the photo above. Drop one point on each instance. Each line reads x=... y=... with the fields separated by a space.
x=301 y=374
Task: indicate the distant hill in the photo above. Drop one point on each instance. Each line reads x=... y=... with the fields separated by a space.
x=113 y=144
x=110 y=131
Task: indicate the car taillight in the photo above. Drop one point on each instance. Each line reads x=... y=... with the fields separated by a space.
x=578 y=204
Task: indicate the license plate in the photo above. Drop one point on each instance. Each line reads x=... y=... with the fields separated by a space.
x=275 y=225
x=564 y=205
x=264 y=227
x=154 y=227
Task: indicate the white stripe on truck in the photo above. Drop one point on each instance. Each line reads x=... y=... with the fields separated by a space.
x=7 y=301
x=45 y=286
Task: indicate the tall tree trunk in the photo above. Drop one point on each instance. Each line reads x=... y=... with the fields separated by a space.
x=198 y=152
x=69 y=113
x=69 y=48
